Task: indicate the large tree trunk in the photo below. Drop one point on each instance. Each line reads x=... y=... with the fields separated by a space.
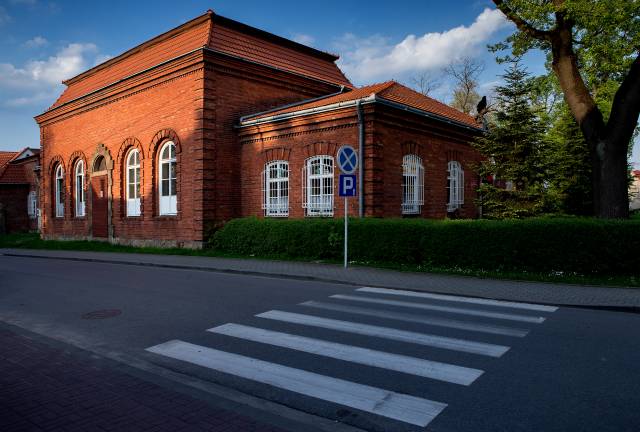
x=610 y=184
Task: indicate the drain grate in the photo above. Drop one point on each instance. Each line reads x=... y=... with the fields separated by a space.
x=102 y=314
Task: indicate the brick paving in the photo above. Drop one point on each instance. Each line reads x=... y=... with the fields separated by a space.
x=46 y=388
x=537 y=292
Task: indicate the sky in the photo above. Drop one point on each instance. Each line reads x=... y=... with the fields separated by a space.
x=44 y=42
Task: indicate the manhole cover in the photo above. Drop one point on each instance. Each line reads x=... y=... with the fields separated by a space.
x=102 y=314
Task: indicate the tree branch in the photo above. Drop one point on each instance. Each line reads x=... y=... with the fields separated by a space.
x=522 y=25
x=626 y=107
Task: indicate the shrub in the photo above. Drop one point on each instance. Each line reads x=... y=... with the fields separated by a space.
x=580 y=246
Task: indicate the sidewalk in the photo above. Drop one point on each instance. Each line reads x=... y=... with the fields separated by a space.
x=43 y=387
x=534 y=292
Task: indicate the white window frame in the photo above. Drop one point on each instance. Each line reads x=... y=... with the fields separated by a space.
x=32 y=204
x=412 y=184
x=79 y=195
x=455 y=185
x=59 y=191
x=275 y=189
x=168 y=204
x=318 y=187
x=133 y=167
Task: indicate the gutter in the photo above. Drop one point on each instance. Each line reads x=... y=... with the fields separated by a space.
x=291 y=105
x=353 y=103
x=361 y=157
x=321 y=109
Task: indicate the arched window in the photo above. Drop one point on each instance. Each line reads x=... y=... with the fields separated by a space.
x=133 y=183
x=59 y=191
x=412 y=184
x=455 y=185
x=318 y=186
x=79 y=189
x=167 y=179
x=275 y=188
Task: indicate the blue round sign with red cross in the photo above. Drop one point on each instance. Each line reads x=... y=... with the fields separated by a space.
x=347 y=159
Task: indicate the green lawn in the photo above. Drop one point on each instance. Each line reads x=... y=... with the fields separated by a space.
x=33 y=241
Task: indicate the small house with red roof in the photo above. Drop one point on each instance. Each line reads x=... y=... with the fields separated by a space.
x=215 y=120
x=19 y=187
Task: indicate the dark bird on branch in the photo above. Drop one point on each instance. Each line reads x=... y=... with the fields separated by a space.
x=482 y=105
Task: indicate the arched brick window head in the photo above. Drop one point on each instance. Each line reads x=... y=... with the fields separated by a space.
x=133 y=183
x=167 y=180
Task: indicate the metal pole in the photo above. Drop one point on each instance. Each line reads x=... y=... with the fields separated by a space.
x=346 y=231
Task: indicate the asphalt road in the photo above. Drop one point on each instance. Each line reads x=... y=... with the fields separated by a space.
x=374 y=360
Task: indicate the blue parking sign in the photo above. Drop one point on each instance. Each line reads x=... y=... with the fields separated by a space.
x=347 y=185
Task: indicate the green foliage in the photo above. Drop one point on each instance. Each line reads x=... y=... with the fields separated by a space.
x=514 y=148
x=569 y=166
x=544 y=245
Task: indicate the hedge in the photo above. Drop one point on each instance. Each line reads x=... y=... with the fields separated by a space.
x=580 y=246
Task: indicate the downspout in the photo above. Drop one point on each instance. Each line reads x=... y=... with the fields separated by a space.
x=361 y=156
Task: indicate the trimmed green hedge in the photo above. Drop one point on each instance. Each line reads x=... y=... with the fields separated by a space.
x=543 y=245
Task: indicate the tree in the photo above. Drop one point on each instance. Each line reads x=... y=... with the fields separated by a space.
x=513 y=148
x=591 y=44
x=425 y=83
x=465 y=73
x=568 y=165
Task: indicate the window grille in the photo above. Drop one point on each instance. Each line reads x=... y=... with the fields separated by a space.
x=275 y=189
x=59 y=189
x=317 y=186
x=455 y=185
x=133 y=183
x=167 y=181
x=32 y=204
x=79 y=191
x=412 y=184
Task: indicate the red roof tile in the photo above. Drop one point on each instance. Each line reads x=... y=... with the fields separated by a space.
x=13 y=174
x=390 y=91
x=6 y=157
x=219 y=34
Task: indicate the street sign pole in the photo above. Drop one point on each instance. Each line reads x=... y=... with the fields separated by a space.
x=348 y=163
x=346 y=232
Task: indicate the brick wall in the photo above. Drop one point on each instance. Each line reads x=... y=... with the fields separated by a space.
x=389 y=135
x=195 y=102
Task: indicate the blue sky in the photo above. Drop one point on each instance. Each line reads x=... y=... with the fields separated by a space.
x=43 y=42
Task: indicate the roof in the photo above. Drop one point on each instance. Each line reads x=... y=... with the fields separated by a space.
x=390 y=91
x=11 y=173
x=6 y=157
x=216 y=33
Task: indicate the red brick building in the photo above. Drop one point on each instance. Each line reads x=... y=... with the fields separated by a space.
x=215 y=120
x=19 y=183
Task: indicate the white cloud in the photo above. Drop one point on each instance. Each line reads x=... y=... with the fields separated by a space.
x=375 y=58
x=39 y=81
x=304 y=39
x=36 y=42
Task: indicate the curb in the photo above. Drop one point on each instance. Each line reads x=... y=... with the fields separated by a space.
x=275 y=275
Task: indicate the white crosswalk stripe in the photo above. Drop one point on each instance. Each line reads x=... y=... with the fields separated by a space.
x=406 y=408
x=400 y=316
x=456 y=310
x=389 y=333
x=280 y=381
x=472 y=300
x=395 y=362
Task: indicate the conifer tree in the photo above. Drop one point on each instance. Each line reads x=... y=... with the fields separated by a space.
x=513 y=170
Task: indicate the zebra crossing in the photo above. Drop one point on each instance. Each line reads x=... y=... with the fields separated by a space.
x=384 y=335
